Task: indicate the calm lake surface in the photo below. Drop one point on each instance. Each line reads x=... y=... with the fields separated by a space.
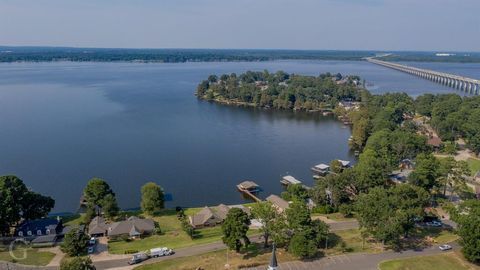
x=63 y=123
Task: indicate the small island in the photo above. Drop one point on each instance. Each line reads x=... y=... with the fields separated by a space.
x=280 y=90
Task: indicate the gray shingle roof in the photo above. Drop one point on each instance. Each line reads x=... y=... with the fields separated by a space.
x=131 y=224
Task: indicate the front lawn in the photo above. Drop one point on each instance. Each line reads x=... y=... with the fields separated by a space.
x=33 y=257
x=448 y=261
x=172 y=235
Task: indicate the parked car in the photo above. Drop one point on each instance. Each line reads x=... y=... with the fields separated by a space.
x=138 y=258
x=91 y=250
x=158 y=252
x=92 y=241
x=445 y=247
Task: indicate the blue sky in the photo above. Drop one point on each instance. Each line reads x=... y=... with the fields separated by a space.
x=437 y=25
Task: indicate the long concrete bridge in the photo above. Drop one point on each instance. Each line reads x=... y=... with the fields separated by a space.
x=467 y=85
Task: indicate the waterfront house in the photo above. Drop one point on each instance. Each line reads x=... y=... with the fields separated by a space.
x=212 y=216
x=290 y=180
x=205 y=218
x=132 y=227
x=280 y=204
x=39 y=227
x=321 y=169
x=97 y=227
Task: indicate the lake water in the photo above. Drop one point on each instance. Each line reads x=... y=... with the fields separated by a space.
x=129 y=123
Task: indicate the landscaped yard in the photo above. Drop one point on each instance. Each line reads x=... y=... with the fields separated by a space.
x=173 y=236
x=33 y=257
x=448 y=261
x=218 y=260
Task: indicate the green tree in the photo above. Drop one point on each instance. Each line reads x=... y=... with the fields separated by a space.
x=77 y=263
x=336 y=166
x=453 y=175
x=266 y=213
x=235 y=229
x=95 y=191
x=298 y=216
x=153 y=198
x=17 y=203
x=388 y=214
x=295 y=192
x=110 y=206
x=370 y=171
x=302 y=246
x=467 y=217
x=75 y=243
x=426 y=172
x=423 y=104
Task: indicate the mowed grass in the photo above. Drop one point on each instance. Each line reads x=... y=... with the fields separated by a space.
x=172 y=235
x=348 y=241
x=255 y=257
x=33 y=257
x=474 y=165
x=447 y=261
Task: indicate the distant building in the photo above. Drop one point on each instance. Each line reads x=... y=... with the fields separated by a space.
x=280 y=204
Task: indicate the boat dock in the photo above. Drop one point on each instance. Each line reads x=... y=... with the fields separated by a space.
x=249 y=188
x=290 y=180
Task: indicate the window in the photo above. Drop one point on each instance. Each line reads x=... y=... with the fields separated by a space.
x=39 y=232
x=29 y=233
x=20 y=234
x=48 y=231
